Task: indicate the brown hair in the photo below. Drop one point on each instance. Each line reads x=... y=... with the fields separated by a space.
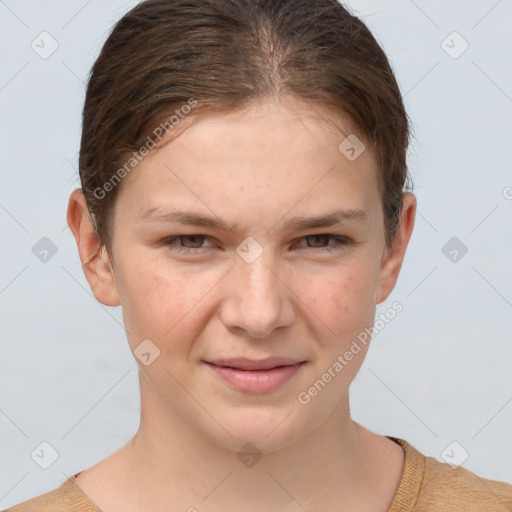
x=221 y=55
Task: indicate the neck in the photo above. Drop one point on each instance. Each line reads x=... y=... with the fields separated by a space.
x=339 y=462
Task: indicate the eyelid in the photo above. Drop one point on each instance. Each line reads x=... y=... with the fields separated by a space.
x=341 y=241
x=169 y=239
x=339 y=238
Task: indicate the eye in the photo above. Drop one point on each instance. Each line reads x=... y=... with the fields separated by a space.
x=319 y=239
x=192 y=242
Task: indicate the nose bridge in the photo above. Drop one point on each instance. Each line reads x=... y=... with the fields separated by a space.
x=259 y=302
x=260 y=278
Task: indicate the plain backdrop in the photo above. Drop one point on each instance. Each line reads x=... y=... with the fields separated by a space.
x=438 y=374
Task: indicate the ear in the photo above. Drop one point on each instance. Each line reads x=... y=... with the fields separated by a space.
x=394 y=256
x=96 y=262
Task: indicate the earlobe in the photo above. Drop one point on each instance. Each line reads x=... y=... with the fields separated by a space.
x=95 y=260
x=394 y=256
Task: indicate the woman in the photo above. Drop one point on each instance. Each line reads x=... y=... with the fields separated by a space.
x=243 y=165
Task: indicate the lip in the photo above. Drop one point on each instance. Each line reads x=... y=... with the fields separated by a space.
x=243 y=363
x=256 y=381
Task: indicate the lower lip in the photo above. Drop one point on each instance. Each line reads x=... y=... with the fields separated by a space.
x=256 y=381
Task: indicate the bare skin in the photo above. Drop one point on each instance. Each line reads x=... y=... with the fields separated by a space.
x=258 y=168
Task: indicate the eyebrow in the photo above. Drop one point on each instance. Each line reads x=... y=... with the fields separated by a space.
x=295 y=223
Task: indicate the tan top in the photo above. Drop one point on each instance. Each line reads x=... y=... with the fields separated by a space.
x=426 y=485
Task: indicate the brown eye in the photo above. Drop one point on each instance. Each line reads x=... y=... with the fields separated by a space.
x=197 y=241
x=318 y=240
x=319 y=243
x=186 y=243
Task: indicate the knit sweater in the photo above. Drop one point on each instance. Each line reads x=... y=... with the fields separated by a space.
x=426 y=485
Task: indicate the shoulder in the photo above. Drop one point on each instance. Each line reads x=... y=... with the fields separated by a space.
x=459 y=487
x=430 y=485
x=66 y=498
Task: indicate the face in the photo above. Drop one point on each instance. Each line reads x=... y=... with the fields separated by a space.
x=258 y=279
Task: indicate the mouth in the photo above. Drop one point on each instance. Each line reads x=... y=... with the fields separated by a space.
x=256 y=377
x=256 y=365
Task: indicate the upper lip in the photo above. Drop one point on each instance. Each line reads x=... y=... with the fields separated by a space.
x=242 y=363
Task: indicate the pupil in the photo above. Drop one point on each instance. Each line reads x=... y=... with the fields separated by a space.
x=198 y=239
x=316 y=237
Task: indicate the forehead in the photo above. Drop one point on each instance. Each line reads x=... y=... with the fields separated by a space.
x=267 y=124
x=281 y=152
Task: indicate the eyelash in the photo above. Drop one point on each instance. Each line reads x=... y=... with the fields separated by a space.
x=342 y=242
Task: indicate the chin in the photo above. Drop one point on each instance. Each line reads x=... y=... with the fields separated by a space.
x=268 y=430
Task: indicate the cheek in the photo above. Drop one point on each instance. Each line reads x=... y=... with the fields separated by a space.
x=342 y=299
x=161 y=301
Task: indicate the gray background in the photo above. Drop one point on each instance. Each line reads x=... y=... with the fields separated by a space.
x=439 y=372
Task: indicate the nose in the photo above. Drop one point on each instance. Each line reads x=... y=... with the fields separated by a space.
x=257 y=299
